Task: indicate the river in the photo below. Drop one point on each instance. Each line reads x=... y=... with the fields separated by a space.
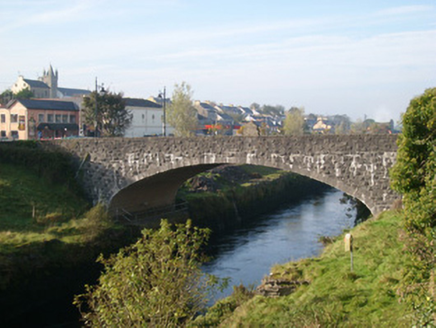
x=245 y=255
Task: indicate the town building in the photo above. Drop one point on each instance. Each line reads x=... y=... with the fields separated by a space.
x=216 y=119
x=322 y=126
x=47 y=86
x=147 y=118
x=24 y=119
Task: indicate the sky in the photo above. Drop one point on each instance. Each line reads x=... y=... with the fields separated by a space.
x=364 y=59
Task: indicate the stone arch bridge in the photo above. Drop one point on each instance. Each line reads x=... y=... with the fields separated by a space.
x=138 y=174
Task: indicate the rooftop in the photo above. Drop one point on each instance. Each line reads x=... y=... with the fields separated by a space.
x=36 y=84
x=46 y=104
x=138 y=102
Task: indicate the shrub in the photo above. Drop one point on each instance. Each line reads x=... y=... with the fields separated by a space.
x=156 y=282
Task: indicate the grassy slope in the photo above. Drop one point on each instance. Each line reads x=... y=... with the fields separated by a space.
x=335 y=297
x=56 y=210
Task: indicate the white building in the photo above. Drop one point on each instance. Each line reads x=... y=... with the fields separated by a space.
x=147 y=117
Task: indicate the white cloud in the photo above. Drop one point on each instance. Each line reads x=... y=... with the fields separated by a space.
x=62 y=15
x=404 y=10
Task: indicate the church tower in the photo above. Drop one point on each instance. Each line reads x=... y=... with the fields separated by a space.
x=51 y=79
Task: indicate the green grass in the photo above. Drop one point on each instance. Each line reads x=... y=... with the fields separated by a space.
x=264 y=171
x=264 y=174
x=33 y=210
x=335 y=296
x=255 y=173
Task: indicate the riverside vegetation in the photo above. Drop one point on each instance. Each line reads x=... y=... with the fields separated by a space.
x=47 y=231
x=392 y=284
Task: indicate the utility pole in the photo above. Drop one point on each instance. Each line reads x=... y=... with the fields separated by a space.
x=164 y=126
x=96 y=110
x=102 y=91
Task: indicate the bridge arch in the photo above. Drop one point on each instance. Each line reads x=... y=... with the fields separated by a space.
x=142 y=173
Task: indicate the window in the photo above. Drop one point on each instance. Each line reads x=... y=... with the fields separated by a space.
x=40 y=118
x=3 y=118
x=21 y=123
x=72 y=118
x=14 y=118
x=50 y=118
x=58 y=118
x=3 y=134
x=64 y=118
x=14 y=134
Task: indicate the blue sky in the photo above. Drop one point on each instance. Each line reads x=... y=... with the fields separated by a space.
x=331 y=57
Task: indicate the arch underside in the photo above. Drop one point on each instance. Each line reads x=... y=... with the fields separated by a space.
x=155 y=191
x=160 y=190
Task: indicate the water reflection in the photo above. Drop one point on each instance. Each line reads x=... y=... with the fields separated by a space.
x=246 y=255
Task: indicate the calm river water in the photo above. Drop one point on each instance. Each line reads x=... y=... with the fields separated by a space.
x=246 y=255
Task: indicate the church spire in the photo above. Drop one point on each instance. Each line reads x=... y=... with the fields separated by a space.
x=51 y=79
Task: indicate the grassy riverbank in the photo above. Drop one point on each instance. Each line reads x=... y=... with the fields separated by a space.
x=41 y=202
x=34 y=211
x=50 y=236
x=334 y=296
x=227 y=196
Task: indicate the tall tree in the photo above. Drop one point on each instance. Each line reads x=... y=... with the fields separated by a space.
x=341 y=128
x=109 y=112
x=181 y=113
x=413 y=172
x=294 y=123
x=413 y=175
x=358 y=127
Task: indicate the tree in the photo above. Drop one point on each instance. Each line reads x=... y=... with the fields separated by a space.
x=181 y=113
x=155 y=282
x=237 y=118
x=6 y=96
x=294 y=123
x=111 y=115
x=272 y=110
x=358 y=127
x=341 y=128
x=413 y=175
x=342 y=124
x=413 y=172
x=255 y=107
x=24 y=94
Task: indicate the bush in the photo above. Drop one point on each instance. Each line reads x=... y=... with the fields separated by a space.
x=156 y=282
